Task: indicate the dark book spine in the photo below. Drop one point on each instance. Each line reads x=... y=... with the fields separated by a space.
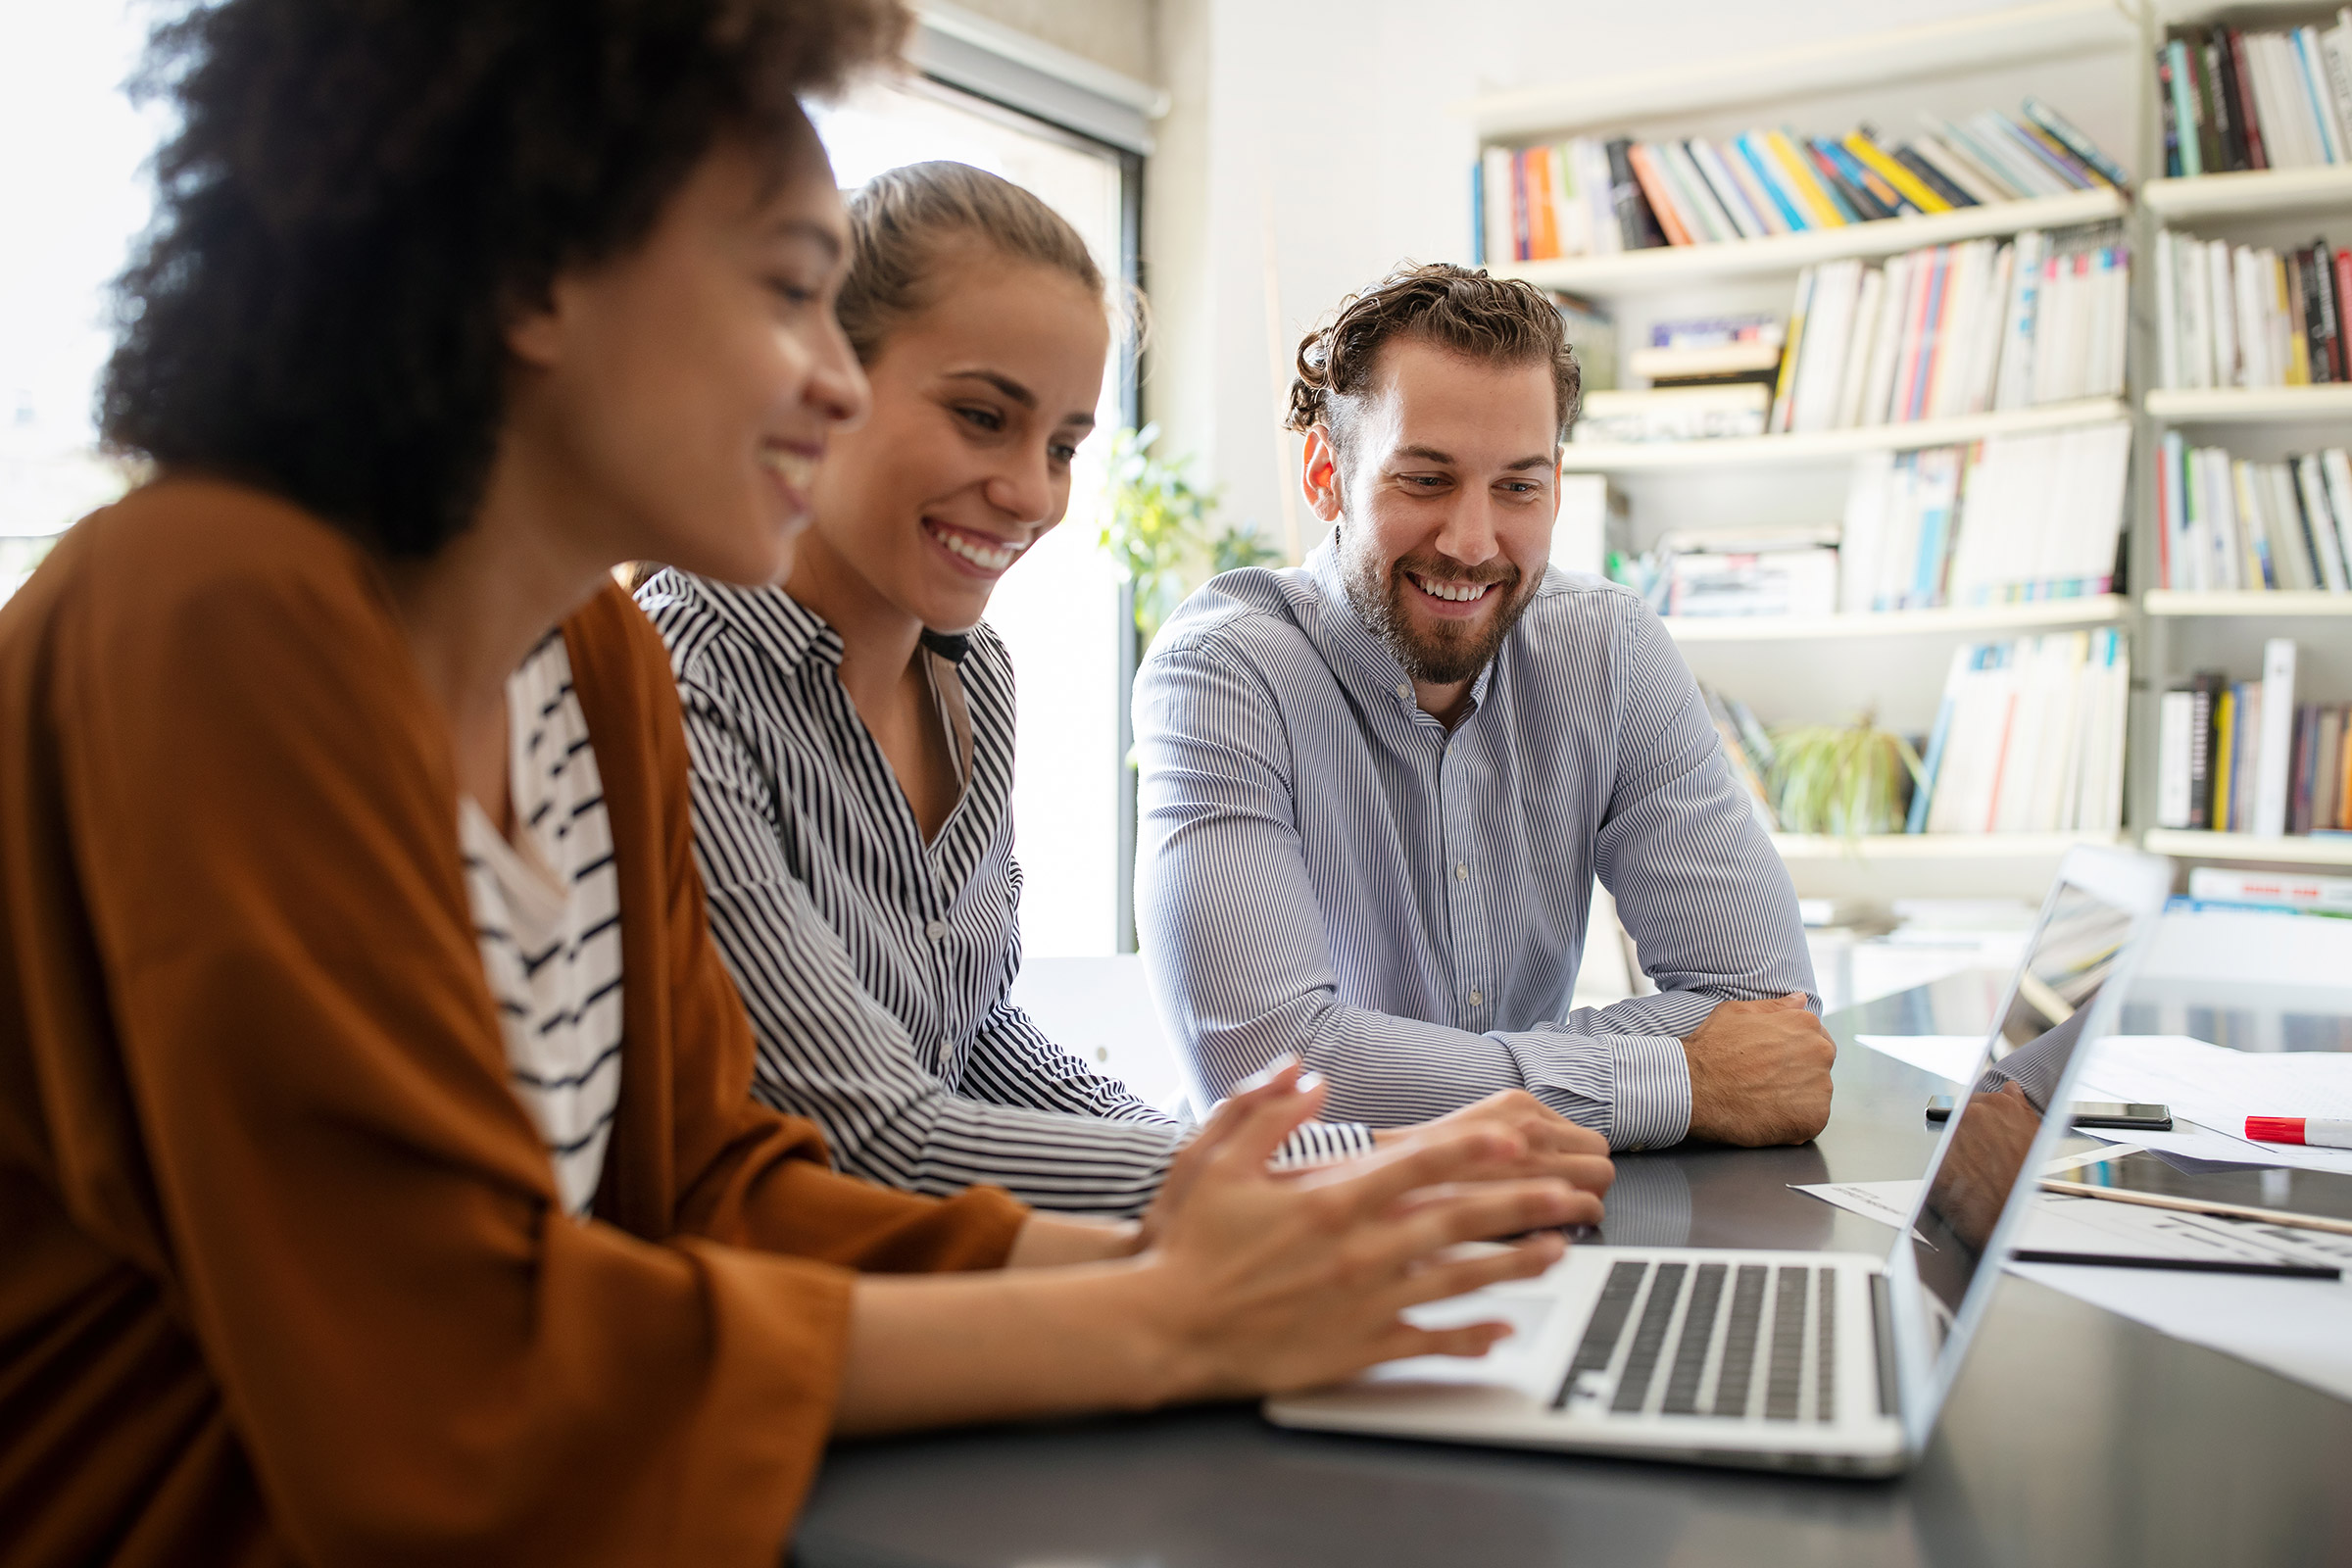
x=1932 y=177
x=1637 y=225
x=2225 y=108
x=2172 y=124
x=1856 y=205
x=2309 y=266
x=2331 y=309
x=2257 y=155
x=2200 y=750
x=2298 y=789
x=2201 y=103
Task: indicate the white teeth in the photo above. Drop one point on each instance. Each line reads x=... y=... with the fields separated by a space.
x=986 y=559
x=1457 y=592
x=797 y=469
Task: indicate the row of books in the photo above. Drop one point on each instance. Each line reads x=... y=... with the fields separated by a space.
x=2238 y=315
x=2010 y=518
x=2299 y=892
x=1955 y=330
x=1748 y=747
x=2029 y=738
x=2244 y=757
x=2235 y=524
x=1591 y=196
x=2234 y=99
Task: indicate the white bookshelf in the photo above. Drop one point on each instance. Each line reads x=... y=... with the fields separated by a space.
x=2249 y=194
x=2248 y=848
x=2279 y=604
x=1827 y=445
x=2244 y=405
x=2022 y=35
x=2099 y=610
x=1916 y=848
x=1663 y=266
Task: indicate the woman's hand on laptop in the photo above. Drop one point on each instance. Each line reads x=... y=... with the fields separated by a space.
x=1554 y=1146
x=1268 y=1282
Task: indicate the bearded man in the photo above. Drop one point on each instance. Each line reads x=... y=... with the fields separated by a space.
x=1377 y=788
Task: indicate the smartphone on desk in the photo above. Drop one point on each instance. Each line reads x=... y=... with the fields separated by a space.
x=2114 y=1113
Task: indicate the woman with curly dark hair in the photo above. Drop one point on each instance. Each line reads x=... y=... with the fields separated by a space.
x=378 y=1177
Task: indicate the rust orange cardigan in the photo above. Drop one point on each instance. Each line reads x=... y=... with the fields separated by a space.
x=283 y=1275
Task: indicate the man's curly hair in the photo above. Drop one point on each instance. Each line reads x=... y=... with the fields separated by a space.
x=360 y=194
x=1495 y=320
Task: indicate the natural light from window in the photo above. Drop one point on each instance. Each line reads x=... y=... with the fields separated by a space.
x=1058 y=610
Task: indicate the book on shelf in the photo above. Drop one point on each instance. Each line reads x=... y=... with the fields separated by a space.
x=1675 y=414
x=1591 y=332
x=1747 y=748
x=2235 y=524
x=2029 y=738
x=2273 y=890
x=1596 y=196
x=1710 y=349
x=2245 y=316
x=2233 y=99
x=2252 y=759
x=1984 y=325
x=1718 y=574
x=2008 y=520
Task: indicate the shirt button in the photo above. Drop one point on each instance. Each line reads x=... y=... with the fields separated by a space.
x=936 y=929
x=1405 y=691
x=1477 y=1000
x=1461 y=870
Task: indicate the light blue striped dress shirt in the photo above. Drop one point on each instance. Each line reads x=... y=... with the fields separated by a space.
x=1323 y=867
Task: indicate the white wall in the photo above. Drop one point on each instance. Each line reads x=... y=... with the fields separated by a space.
x=1322 y=133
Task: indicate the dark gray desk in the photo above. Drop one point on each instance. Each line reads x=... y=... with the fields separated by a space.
x=2074 y=1438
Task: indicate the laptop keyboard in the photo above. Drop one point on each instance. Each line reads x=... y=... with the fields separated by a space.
x=1713 y=1340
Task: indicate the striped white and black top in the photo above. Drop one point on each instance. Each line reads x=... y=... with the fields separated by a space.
x=875 y=966
x=1325 y=869
x=547 y=912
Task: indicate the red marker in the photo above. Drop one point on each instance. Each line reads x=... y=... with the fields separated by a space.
x=2299 y=1130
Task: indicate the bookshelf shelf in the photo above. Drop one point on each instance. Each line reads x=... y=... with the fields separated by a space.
x=1675 y=265
x=2253 y=193
x=2183 y=845
x=2178 y=601
x=2238 y=404
x=2030 y=34
x=1801 y=847
x=2096 y=610
x=1826 y=446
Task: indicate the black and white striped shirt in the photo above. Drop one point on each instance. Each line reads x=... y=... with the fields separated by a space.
x=547 y=914
x=875 y=966
x=1324 y=868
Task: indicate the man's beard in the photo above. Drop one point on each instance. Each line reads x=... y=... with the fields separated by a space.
x=1447 y=652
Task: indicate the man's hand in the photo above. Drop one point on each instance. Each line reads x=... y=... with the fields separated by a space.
x=1760 y=1073
x=1555 y=1147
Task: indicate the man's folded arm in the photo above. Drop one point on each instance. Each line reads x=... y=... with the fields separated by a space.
x=1240 y=955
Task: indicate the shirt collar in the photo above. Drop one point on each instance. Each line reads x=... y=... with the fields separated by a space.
x=776 y=623
x=1368 y=655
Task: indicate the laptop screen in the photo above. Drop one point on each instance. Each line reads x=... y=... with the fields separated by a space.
x=2075 y=951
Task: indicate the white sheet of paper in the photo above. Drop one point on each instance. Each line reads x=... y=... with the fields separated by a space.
x=2213 y=1087
x=1952 y=1056
x=2218 y=1089
x=2299 y=1329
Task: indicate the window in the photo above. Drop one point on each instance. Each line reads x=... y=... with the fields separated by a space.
x=1059 y=609
x=71 y=198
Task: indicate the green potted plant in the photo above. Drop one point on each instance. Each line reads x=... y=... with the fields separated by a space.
x=1164 y=533
x=1843 y=781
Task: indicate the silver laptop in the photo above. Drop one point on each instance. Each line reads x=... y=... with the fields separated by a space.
x=1830 y=1361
